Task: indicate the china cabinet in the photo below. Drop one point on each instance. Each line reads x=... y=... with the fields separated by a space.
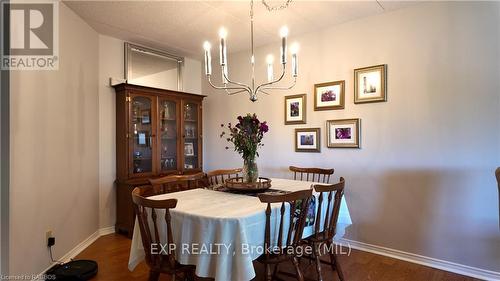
x=158 y=132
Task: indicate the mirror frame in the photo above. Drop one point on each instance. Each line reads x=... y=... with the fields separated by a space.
x=129 y=47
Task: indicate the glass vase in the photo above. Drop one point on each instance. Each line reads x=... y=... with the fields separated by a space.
x=250 y=170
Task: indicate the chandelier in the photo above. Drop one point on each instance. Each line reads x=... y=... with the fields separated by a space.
x=233 y=87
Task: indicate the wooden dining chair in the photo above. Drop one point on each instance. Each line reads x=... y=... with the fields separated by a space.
x=497 y=174
x=312 y=174
x=219 y=176
x=296 y=200
x=332 y=194
x=174 y=183
x=160 y=261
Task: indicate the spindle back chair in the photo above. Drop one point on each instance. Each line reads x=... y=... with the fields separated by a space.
x=159 y=261
x=312 y=174
x=291 y=235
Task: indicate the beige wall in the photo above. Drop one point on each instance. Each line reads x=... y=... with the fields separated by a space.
x=54 y=150
x=423 y=181
x=111 y=65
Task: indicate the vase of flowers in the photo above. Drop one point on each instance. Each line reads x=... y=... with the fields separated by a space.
x=246 y=136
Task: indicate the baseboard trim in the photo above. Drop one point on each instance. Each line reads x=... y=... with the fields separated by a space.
x=106 y=230
x=423 y=260
x=82 y=246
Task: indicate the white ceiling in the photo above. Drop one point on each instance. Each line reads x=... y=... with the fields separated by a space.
x=183 y=26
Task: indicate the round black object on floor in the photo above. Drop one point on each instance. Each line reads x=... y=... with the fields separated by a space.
x=77 y=270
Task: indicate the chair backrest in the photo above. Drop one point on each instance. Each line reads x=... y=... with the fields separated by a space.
x=497 y=174
x=219 y=176
x=332 y=193
x=151 y=236
x=298 y=201
x=312 y=174
x=174 y=183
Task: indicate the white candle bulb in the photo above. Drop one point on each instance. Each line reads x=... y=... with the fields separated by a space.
x=270 y=72
x=284 y=31
x=208 y=58
x=294 y=48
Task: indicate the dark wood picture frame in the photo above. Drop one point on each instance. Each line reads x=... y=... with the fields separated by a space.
x=357 y=133
x=383 y=83
x=318 y=139
x=341 y=105
x=303 y=109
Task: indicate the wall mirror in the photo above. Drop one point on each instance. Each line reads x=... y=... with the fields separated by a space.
x=152 y=68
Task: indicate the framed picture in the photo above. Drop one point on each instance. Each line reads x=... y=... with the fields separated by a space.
x=328 y=96
x=295 y=109
x=189 y=149
x=142 y=138
x=370 y=84
x=145 y=117
x=343 y=133
x=307 y=140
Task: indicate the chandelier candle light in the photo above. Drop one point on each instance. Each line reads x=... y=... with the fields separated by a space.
x=232 y=87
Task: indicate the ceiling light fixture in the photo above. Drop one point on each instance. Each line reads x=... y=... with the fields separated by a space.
x=232 y=87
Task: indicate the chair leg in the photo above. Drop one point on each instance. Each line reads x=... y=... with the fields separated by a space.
x=300 y=276
x=269 y=276
x=334 y=261
x=154 y=275
x=276 y=268
x=318 y=261
x=190 y=275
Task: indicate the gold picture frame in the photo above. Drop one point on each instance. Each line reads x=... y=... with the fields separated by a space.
x=370 y=84
x=295 y=109
x=343 y=133
x=329 y=96
x=310 y=140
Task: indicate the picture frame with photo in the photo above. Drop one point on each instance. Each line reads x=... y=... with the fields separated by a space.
x=329 y=96
x=143 y=138
x=189 y=149
x=145 y=117
x=295 y=109
x=370 y=84
x=343 y=133
x=308 y=140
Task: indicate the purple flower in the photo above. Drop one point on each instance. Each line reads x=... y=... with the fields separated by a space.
x=263 y=127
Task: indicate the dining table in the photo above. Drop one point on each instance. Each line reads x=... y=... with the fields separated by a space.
x=222 y=233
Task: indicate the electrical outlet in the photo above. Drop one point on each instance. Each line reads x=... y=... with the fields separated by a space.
x=48 y=234
x=50 y=239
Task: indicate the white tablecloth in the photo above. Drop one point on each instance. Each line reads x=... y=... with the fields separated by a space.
x=221 y=233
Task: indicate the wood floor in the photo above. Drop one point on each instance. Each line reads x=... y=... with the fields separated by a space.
x=111 y=253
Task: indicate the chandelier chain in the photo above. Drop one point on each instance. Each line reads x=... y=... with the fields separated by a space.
x=276 y=8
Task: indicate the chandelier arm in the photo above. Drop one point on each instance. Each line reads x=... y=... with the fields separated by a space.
x=236 y=83
x=234 y=93
x=272 y=82
x=264 y=92
x=223 y=87
x=281 y=88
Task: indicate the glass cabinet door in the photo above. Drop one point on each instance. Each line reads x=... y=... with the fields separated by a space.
x=141 y=134
x=191 y=135
x=168 y=135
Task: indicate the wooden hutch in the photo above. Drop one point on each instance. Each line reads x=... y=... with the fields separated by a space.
x=158 y=133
